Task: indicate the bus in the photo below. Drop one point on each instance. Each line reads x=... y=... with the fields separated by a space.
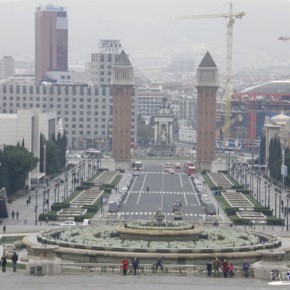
x=190 y=168
x=137 y=165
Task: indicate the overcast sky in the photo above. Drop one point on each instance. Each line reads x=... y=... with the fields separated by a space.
x=149 y=28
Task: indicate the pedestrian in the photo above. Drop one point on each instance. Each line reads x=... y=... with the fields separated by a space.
x=3 y=263
x=209 y=267
x=246 y=267
x=159 y=263
x=148 y=189
x=17 y=215
x=216 y=266
x=232 y=269
x=13 y=214
x=135 y=264
x=4 y=229
x=125 y=265
x=225 y=268
x=27 y=201
x=14 y=261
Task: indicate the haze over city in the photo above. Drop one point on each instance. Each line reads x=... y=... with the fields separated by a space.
x=150 y=32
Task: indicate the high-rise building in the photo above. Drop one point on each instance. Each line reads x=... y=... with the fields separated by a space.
x=103 y=60
x=51 y=40
x=123 y=90
x=207 y=84
x=7 y=67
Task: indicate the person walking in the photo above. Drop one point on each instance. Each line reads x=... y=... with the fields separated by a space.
x=14 y=261
x=125 y=265
x=209 y=268
x=3 y=263
x=232 y=269
x=4 y=229
x=17 y=215
x=135 y=264
x=225 y=268
x=246 y=267
x=147 y=189
x=216 y=266
x=13 y=214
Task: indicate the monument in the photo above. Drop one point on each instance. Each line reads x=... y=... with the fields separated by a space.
x=163 y=132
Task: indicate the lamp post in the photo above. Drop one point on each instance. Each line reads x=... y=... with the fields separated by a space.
x=257 y=189
x=35 y=207
x=265 y=183
x=65 y=190
x=287 y=209
x=276 y=192
x=280 y=193
x=43 y=198
x=269 y=189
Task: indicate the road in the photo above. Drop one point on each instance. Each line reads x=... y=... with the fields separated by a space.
x=164 y=190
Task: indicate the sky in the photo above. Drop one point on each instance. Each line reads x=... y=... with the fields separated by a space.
x=150 y=32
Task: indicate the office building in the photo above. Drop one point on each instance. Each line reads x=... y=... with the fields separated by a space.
x=103 y=60
x=51 y=40
x=85 y=110
x=207 y=84
x=7 y=67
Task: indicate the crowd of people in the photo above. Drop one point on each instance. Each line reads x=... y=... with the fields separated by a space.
x=219 y=267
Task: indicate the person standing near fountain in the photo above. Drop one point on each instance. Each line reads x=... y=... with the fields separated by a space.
x=125 y=265
x=3 y=263
x=216 y=266
x=209 y=267
x=225 y=268
x=14 y=261
x=135 y=264
x=246 y=267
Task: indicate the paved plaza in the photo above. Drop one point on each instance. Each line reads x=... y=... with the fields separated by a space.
x=19 y=280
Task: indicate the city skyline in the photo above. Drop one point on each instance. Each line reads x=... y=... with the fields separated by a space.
x=149 y=30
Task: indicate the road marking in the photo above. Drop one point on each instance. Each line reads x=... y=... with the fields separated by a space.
x=141 y=190
x=129 y=192
x=279 y=283
x=194 y=191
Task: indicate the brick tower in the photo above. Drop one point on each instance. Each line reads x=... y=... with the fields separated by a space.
x=207 y=84
x=123 y=90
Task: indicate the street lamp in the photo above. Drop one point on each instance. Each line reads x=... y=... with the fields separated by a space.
x=269 y=189
x=35 y=207
x=287 y=212
x=276 y=192
x=265 y=183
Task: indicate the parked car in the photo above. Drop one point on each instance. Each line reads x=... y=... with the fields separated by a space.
x=68 y=224
x=171 y=171
x=175 y=207
x=113 y=206
x=177 y=165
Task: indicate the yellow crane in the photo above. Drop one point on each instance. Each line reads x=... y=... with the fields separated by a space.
x=230 y=16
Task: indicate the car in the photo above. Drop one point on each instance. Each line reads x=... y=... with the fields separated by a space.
x=171 y=171
x=175 y=207
x=135 y=173
x=68 y=224
x=177 y=165
x=167 y=167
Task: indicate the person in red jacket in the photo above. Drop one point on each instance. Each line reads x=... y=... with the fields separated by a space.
x=125 y=265
x=225 y=268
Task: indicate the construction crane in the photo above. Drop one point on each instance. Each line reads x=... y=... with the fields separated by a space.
x=284 y=38
x=230 y=16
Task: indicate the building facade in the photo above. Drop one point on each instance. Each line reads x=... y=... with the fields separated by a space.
x=123 y=92
x=7 y=67
x=51 y=40
x=86 y=112
x=103 y=60
x=207 y=84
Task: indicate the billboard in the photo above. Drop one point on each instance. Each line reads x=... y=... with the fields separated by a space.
x=110 y=46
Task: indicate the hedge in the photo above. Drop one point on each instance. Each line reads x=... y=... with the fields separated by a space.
x=60 y=205
x=87 y=183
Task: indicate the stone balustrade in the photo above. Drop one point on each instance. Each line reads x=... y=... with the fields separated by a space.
x=143 y=269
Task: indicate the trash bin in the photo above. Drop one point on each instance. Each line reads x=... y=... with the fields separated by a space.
x=275 y=275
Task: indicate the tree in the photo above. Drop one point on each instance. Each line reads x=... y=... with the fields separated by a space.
x=16 y=163
x=275 y=158
x=52 y=162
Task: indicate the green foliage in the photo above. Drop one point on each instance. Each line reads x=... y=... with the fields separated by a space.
x=16 y=163
x=275 y=221
x=51 y=216
x=60 y=205
x=275 y=158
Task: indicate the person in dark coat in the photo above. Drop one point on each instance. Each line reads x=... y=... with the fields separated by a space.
x=14 y=261
x=216 y=266
x=3 y=263
x=225 y=268
x=209 y=267
x=135 y=264
x=159 y=263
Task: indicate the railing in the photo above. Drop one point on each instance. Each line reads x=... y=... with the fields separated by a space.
x=144 y=269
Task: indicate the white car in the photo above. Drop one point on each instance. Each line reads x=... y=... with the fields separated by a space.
x=68 y=224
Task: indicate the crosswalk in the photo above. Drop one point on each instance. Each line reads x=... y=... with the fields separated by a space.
x=161 y=172
x=149 y=214
x=162 y=192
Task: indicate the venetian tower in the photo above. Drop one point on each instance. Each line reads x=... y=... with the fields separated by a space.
x=123 y=90
x=207 y=84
